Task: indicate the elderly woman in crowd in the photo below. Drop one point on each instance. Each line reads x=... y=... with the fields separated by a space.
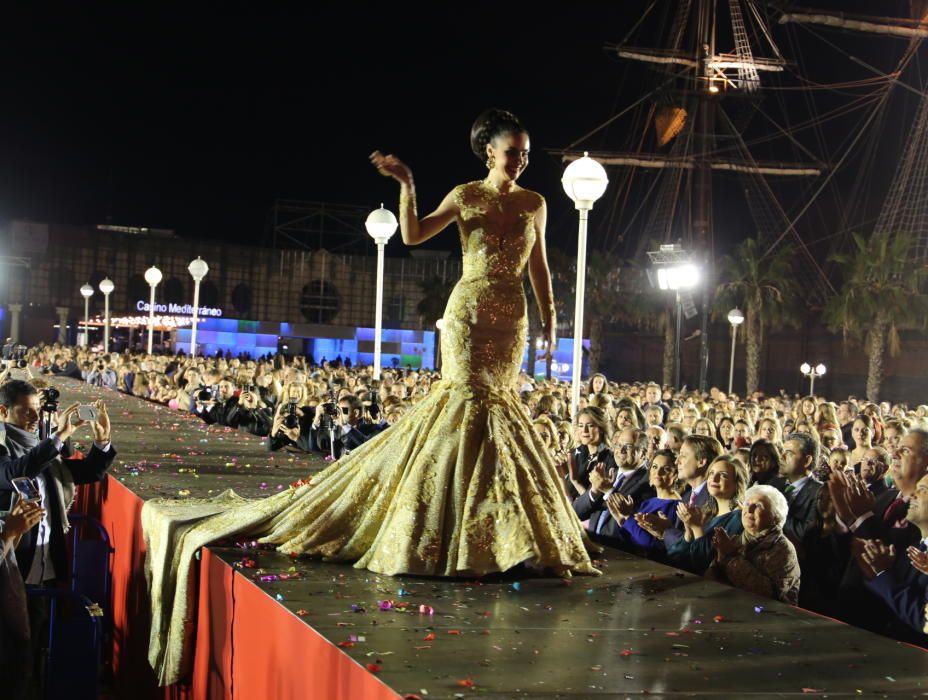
x=761 y=559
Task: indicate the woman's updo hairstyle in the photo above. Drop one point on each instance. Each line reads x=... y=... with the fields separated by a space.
x=489 y=126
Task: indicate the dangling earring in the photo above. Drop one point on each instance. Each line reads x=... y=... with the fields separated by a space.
x=490 y=162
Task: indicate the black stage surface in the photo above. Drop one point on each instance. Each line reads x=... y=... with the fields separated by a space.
x=641 y=629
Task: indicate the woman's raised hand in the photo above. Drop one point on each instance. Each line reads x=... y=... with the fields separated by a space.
x=391 y=166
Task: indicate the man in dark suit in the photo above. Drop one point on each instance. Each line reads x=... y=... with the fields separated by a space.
x=800 y=456
x=803 y=522
x=882 y=518
x=629 y=478
x=41 y=553
x=891 y=577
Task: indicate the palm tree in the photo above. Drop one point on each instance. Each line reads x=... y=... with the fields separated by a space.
x=880 y=295
x=435 y=293
x=654 y=311
x=604 y=300
x=766 y=287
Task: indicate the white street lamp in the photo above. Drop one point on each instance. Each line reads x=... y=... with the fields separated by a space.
x=87 y=292
x=735 y=318
x=812 y=372
x=153 y=277
x=380 y=225
x=584 y=182
x=107 y=287
x=197 y=269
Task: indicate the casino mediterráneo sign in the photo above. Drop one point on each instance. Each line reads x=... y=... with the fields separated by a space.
x=179 y=309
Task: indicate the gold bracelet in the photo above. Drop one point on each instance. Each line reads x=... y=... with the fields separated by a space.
x=408 y=198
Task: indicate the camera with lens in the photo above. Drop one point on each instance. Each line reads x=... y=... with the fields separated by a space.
x=370 y=401
x=49 y=400
x=327 y=420
x=291 y=420
x=204 y=393
x=21 y=364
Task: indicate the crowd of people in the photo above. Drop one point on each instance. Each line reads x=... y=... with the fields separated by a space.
x=815 y=503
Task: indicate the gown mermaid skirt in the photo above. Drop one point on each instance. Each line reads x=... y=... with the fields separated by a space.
x=460 y=486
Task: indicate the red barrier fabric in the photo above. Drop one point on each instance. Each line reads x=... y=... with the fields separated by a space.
x=248 y=646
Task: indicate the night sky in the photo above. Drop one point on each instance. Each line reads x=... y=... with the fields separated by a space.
x=195 y=120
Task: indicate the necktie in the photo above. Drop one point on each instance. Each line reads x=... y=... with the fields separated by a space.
x=895 y=513
x=789 y=492
x=692 y=501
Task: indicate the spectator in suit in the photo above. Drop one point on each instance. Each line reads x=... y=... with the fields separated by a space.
x=628 y=477
x=762 y=560
x=873 y=467
x=892 y=577
x=869 y=517
x=800 y=456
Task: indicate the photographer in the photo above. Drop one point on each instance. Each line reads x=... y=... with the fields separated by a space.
x=248 y=414
x=348 y=427
x=215 y=404
x=292 y=424
x=102 y=374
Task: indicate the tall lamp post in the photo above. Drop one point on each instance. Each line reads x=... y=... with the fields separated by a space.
x=735 y=318
x=87 y=292
x=812 y=372
x=107 y=287
x=197 y=269
x=584 y=182
x=675 y=272
x=153 y=277
x=380 y=225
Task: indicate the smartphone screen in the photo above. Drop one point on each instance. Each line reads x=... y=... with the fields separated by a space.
x=27 y=489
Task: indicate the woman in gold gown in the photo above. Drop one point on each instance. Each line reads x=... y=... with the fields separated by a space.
x=462 y=485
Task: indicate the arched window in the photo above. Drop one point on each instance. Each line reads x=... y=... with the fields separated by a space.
x=138 y=289
x=241 y=298
x=173 y=292
x=209 y=294
x=319 y=302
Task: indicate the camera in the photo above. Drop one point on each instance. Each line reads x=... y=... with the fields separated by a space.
x=21 y=364
x=49 y=398
x=327 y=420
x=204 y=393
x=291 y=420
x=370 y=401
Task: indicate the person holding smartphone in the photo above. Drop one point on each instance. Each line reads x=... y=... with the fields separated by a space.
x=41 y=552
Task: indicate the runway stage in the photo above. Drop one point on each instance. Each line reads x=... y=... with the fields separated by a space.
x=331 y=631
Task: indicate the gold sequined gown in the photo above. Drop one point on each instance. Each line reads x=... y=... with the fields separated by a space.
x=460 y=486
